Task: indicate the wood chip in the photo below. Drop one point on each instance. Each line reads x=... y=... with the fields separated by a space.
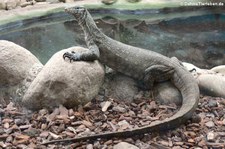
x=106 y=105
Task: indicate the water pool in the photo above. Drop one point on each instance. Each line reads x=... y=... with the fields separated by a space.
x=197 y=38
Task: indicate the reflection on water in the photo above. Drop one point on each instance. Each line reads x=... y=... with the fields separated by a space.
x=199 y=40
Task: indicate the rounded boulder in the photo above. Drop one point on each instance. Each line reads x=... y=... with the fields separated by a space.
x=64 y=82
x=15 y=63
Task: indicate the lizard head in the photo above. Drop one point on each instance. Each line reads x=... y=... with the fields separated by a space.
x=78 y=12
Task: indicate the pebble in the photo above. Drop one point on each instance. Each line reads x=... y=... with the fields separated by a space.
x=191 y=141
x=119 y=109
x=124 y=145
x=176 y=147
x=123 y=124
x=44 y=134
x=18 y=121
x=210 y=136
x=190 y=133
x=89 y=146
x=223 y=122
x=196 y=118
x=210 y=124
x=212 y=103
x=109 y=2
x=106 y=105
x=43 y=111
x=165 y=143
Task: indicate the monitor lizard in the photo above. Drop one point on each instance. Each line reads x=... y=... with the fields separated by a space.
x=140 y=64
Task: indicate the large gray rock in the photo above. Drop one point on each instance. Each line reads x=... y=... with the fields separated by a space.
x=219 y=69
x=18 y=68
x=120 y=87
x=16 y=63
x=62 y=82
x=167 y=93
x=123 y=88
x=212 y=84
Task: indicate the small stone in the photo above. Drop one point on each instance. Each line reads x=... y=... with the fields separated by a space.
x=108 y=2
x=55 y=136
x=6 y=125
x=190 y=133
x=80 y=128
x=210 y=124
x=176 y=147
x=133 y=1
x=119 y=109
x=2 y=144
x=212 y=103
x=43 y=126
x=32 y=132
x=44 y=134
x=191 y=141
x=23 y=127
x=210 y=136
x=165 y=143
x=43 y=111
x=109 y=142
x=223 y=122
x=18 y=121
x=89 y=146
x=106 y=105
x=196 y=118
x=96 y=144
x=9 y=139
x=70 y=112
x=178 y=143
x=124 y=145
x=40 y=0
x=131 y=113
x=123 y=124
x=202 y=143
x=86 y=123
x=210 y=115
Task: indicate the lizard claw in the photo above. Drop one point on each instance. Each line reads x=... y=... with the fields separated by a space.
x=66 y=55
x=73 y=56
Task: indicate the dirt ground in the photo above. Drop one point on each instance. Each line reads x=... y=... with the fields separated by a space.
x=25 y=129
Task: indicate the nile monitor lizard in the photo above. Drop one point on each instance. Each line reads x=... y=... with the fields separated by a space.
x=139 y=64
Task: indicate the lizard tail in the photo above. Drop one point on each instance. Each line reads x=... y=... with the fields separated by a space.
x=188 y=87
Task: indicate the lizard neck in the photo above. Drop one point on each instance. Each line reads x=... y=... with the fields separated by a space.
x=88 y=25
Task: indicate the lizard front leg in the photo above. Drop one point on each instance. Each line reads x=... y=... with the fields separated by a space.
x=93 y=53
x=157 y=73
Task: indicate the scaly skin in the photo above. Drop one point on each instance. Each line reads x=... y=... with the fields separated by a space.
x=140 y=64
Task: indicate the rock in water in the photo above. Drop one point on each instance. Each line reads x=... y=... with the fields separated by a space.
x=133 y=1
x=64 y=82
x=109 y=2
